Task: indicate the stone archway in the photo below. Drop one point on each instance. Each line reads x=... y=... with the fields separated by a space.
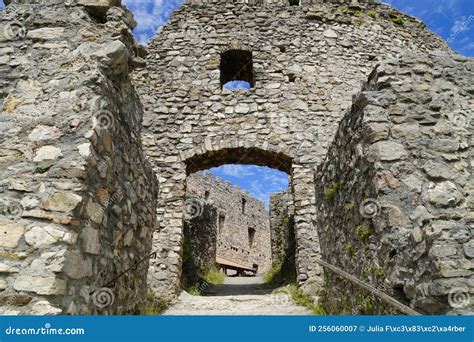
x=301 y=90
x=165 y=271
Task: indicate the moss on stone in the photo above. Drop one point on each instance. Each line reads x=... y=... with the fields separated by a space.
x=350 y=205
x=378 y=272
x=331 y=191
x=350 y=249
x=362 y=232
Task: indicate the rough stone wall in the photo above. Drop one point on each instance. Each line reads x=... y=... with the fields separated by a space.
x=200 y=239
x=232 y=224
x=307 y=61
x=78 y=195
x=394 y=193
x=282 y=2
x=282 y=227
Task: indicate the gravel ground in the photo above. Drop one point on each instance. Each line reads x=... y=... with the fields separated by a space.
x=237 y=296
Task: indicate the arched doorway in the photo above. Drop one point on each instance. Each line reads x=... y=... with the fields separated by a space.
x=166 y=270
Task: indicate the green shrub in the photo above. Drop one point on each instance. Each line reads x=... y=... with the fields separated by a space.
x=345 y=9
x=279 y=275
x=301 y=299
x=213 y=276
x=398 y=21
x=372 y=14
x=272 y=274
x=331 y=191
x=153 y=305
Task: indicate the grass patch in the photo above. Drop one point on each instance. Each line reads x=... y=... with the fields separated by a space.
x=301 y=299
x=193 y=290
x=372 y=14
x=331 y=191
x=272 y=274
x=279 y=275
x=153 y=305
x=398 y=21
x=213 y=276
x=197 y=284
x=345 y=9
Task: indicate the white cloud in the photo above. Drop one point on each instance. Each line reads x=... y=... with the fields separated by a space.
x=461 y=25
x=150 y=15
x=275 y=179
x=238 y=171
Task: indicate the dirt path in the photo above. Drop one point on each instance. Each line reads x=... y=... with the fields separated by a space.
x=237 y=296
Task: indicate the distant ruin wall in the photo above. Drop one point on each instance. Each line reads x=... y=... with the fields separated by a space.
x=78 y=197
x=395 y=189
x=241 y=221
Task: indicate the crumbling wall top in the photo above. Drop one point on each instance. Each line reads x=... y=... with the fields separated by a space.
x=281 y=2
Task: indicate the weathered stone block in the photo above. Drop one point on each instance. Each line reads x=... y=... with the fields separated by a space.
x=387 y=151
x=42 y=236
x=41 y=285
x=46 y=33
x=10 y=234
x=62 y=201
x=47 y=153
x=444 y=194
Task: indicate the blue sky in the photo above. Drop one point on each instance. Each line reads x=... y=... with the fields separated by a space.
x=453 y=20
x=260 y=181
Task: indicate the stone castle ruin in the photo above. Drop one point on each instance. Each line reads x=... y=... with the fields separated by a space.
x=368 y=111
x=225 y=226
